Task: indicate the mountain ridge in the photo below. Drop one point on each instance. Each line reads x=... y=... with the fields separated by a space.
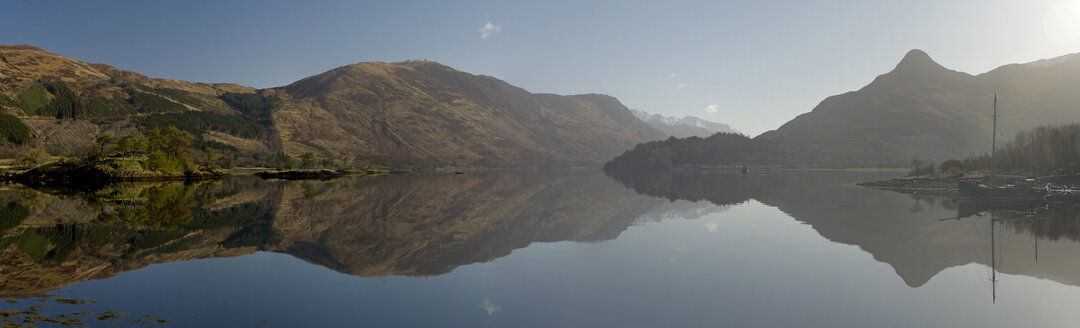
x=437 y=115
x=683 y=127
x=415 y=113
x=921 y=109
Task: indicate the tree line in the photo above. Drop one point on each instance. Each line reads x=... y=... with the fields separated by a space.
x=1036 y=152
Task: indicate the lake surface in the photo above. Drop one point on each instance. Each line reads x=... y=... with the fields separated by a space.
x=534 y=249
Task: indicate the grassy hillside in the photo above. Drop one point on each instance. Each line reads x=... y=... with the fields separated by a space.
x=426 y=114
x=416 y=114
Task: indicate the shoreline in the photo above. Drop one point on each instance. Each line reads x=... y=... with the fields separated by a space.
x=928 y=186
x=82 y=176
x=1063 y=188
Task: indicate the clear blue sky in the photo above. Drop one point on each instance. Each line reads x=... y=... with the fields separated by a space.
x=758 y=63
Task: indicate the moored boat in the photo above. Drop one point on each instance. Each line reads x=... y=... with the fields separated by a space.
x=972 y=191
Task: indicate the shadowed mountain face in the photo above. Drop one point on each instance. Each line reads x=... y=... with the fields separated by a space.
x=918 y=236
x=416 y=225
x=923 y=110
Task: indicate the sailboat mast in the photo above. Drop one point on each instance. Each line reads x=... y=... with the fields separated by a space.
x=994 y=139
x=993 y=145
x=993 y=261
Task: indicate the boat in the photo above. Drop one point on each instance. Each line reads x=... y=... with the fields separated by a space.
x=973 y=191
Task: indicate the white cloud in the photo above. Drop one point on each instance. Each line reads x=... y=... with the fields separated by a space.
x=680 y=85
x=672 y=75
x=488 y=29
x=712 y=227
x=711 y=109
x=491 y=308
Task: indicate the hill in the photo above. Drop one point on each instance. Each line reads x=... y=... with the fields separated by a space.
x=414 y=113
x=919 y=110
x=923 y=110
x=66 y=104
x=422 y=112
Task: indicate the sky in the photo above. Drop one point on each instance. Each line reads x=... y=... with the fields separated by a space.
x=751 y=64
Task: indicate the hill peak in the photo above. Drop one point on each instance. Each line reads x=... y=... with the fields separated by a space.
x=917 y=60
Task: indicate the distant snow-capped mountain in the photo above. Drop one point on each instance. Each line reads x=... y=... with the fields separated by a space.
x=682 y=127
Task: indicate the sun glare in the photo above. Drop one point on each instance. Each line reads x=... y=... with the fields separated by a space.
x=1062 y=22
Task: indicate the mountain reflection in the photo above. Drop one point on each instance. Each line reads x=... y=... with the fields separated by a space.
x=414 y=225
x=51 y=240
x=427 y=225
x=919 y=236
x=424 y=225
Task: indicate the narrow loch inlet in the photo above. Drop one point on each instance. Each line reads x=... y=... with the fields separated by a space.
x=534 y=249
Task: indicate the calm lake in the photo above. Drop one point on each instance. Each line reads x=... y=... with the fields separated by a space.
x=534 y=249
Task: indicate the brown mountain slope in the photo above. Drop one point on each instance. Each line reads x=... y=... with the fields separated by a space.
x=416 y=113
x=424 y=113
x=25 y=69
x=22 y=65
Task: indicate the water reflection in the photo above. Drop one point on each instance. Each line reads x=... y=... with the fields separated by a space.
x=51 y=240
x=416 y=225
x=743 y=250
x=919 y=236
x=428 y=225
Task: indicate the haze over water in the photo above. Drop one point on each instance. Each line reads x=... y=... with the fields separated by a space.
x=578 y=249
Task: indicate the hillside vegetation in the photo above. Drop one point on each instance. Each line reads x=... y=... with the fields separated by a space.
x=409 y=114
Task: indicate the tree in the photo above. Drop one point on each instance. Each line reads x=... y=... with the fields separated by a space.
x=209 y=157
x=228 y=162
x=916 y=163
x=30 y=158
x=284 y=162
x=952 y=166
x=329 y=162
x=13 y=130
x=133 y=143
x=94 y=155
x=307 y=160
x=168 y=150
